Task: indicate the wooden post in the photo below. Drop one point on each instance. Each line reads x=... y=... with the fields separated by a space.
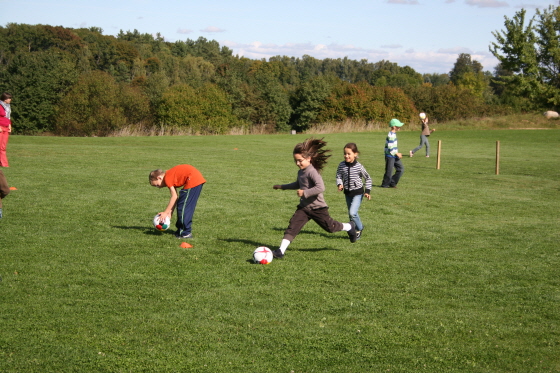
x=497 y=157
x=438 y=154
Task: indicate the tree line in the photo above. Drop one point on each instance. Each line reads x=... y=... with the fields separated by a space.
x=79 y=82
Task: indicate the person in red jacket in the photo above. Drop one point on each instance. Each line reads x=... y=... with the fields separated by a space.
x=5 y=126
x=191 y=181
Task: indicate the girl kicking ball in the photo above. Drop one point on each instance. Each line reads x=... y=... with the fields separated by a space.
x=310 y=157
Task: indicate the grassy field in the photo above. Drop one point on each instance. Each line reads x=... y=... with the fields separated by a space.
x=457 y=270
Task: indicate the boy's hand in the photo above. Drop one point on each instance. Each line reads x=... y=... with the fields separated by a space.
x=340 y=187
x=399 y=155
x=277 y=187
x=163 y=216
x=300 y=192
x=367 y=196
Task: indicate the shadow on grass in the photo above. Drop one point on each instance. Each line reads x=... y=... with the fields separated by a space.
x=291 y=248
x=246 y=242
x=145 y=230
x=315 y=249
x=239 y=240
x=337 y=235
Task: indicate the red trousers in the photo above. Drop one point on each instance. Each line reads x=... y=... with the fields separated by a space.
x=4 y=135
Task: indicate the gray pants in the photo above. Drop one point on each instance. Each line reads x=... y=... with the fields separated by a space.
x=390 y=180
x=423 y=141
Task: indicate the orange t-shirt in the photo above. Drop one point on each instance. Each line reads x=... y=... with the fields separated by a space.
x=184 y=175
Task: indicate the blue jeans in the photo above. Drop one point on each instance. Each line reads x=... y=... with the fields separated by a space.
x=423 y=141
x=353 y=203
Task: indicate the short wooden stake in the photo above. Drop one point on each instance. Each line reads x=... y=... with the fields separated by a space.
x=438 y=154
x=497 y=157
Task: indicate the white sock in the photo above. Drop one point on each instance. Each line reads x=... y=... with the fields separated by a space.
x=284 y=245
x=346 y=227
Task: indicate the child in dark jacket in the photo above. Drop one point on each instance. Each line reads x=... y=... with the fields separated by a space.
x=350 y=177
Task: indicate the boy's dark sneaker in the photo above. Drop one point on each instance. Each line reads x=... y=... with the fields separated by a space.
x=352 y=234
x=277 y=254
x=177 y=235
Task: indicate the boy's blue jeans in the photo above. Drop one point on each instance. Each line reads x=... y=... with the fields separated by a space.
x=186 y=203
x=353 y=203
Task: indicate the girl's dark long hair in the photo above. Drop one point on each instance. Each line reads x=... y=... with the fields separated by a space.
x=352 y=146
x=314 y=149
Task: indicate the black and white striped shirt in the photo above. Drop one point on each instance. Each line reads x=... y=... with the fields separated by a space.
x=351 y=176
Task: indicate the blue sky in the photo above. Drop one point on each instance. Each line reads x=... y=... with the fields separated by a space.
x=426 y=35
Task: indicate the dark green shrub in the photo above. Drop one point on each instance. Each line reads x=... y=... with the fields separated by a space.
x=366 y=102
x=37 y=82
x=98 y=106
x=449 y=102
x=203 y=110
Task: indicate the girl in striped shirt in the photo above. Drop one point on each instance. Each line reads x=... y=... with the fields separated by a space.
x=350 y=178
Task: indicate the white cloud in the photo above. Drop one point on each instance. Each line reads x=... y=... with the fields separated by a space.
x=487 y=3
x=184 y=31
x=212 y=29
x=436 y=61
x=392 y=46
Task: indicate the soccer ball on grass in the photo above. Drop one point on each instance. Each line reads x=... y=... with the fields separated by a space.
x=262 y=255
x=161 y=225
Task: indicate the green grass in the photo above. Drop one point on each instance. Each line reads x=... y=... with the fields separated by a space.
x=457 y=271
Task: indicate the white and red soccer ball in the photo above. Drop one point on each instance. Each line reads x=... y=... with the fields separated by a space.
x=161 y=225
x=262 y=255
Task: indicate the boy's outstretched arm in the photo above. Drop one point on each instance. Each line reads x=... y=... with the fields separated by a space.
x=171 y=205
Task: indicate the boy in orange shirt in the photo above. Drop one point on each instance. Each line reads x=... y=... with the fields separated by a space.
x=191 y=180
